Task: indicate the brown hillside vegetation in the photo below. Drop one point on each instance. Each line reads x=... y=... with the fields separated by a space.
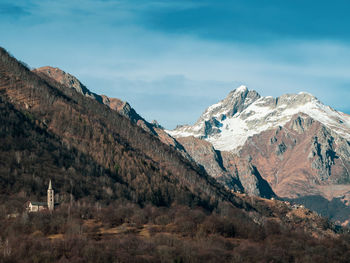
x=125 y=196
x=56 y=76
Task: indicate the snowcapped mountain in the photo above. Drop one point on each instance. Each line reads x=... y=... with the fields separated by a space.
x=296 y=144
x=244 y=113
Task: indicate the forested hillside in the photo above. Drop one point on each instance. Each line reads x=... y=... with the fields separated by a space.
x=126 y=153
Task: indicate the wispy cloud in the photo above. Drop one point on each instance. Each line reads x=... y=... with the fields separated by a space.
x=256 y=20
x=11 y=10
x=201 y=71
x=172 y=59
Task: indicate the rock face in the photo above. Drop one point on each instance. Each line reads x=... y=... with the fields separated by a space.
x=68 y=80
x=300 y=158
x=233 y=172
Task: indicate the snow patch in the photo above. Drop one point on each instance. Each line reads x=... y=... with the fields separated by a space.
x=241 y=89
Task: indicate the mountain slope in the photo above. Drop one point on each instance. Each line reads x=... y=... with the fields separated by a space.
x=30 y=155
x=300 y=158
x=58 y=76
x=235 y=173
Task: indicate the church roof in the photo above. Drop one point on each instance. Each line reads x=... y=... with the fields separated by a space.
x=50 y=185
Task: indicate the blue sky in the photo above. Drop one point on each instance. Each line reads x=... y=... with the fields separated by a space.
x=172 y=59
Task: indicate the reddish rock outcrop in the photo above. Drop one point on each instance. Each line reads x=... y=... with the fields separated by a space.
x=300 y=157
x=235 y=173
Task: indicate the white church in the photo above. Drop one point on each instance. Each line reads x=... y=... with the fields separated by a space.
x=40 y=206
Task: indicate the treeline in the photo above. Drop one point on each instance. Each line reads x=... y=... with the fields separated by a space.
x=159 y=234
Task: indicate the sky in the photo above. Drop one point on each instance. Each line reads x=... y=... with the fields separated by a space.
x=172 y=59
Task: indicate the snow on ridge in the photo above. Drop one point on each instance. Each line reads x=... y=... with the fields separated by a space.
x=210 y=109
x=305 y=93
x=234 y=94
x=181 y=133
x=260 y=118
x=186 y=130
x=241 y=88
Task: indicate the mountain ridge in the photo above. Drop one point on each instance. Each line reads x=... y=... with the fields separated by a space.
x=122 y=107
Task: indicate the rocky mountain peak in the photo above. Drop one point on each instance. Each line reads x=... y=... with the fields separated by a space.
x=122 y=107
x=156 y=124
x=67 y=80
x=210 y=122
x=235 y=102
x=295 y=100
x=244 y=113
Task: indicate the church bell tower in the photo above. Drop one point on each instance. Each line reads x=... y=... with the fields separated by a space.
x=50 y=198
